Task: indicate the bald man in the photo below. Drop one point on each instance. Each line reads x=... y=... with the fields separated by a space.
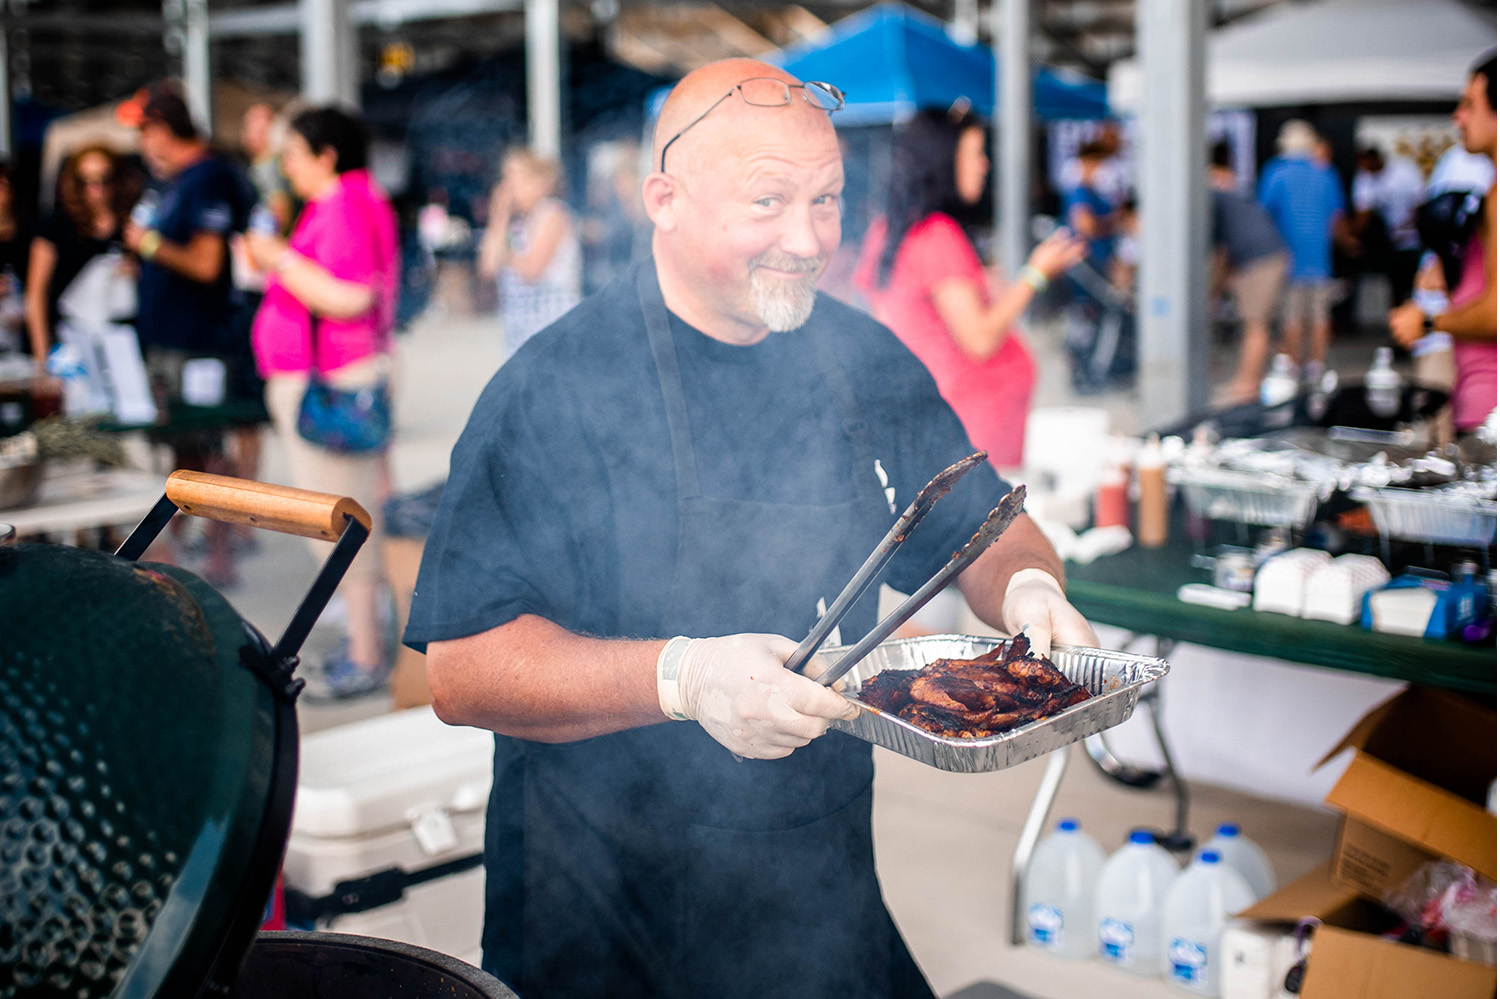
x=707 y=449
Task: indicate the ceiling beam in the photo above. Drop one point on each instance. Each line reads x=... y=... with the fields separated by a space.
x=271 y=19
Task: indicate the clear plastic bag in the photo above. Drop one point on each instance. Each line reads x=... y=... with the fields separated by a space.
x=1446 y=897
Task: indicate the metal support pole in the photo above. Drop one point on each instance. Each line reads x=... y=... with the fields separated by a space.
x=327 y=77
x=1173 y=321
x=346 y=35
x=965 y=26
x=5 y=144
x=543 y=76
x=1031 y=832
x=196 y=74
x=18 y=59
x=1012 y=159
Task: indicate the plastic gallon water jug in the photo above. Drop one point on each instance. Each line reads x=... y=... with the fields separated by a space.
x=1240 y=852
x=1133 y=889
x=1199 y=904
x=1060 y=891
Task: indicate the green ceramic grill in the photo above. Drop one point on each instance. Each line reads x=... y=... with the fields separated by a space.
x=148 y=754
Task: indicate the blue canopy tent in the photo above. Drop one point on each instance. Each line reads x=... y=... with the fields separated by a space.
x=892 y=60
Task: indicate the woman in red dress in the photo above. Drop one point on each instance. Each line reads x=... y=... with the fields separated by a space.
x=925 y=281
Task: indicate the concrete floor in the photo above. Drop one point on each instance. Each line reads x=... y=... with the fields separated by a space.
x=943 y=841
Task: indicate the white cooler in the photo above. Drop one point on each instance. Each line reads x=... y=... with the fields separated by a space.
x=387 y=835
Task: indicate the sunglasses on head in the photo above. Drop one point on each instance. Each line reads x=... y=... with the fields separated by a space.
x=768 y=92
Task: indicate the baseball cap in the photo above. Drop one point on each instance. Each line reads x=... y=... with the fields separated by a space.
x=160 y=105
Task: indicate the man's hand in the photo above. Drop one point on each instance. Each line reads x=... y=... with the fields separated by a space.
x=264 y=249
x=1406 y=324
x=738 y=689
x=132 y=236
x=1034 y=603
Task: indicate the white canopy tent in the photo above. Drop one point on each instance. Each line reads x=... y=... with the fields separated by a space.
x=1333 y=51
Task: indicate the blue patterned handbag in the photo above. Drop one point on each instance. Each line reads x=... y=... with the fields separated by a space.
x=345 y=420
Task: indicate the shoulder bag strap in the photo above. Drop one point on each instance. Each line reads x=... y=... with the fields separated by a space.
x=378 y=290
x=312 y=344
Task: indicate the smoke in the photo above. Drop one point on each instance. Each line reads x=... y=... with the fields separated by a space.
x=785 y=305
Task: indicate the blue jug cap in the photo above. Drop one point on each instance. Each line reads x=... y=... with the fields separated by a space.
x=1229 y=829
x=1142 y=836
x=1068 y=825
x=1209 y=856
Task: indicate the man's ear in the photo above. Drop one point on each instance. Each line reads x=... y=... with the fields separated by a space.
x=660 y=195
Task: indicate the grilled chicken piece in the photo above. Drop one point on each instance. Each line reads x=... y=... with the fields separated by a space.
x=972 y=698
x=890 y=691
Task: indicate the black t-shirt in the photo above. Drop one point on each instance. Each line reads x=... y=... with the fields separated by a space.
x=75 y=248
x=174 y=311
x=15 y=254
x=564 y=472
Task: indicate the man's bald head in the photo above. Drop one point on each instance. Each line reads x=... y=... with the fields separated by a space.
x=696 y=93
x=746 y=210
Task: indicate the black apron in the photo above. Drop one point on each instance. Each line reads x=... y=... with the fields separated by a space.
x=651 y=863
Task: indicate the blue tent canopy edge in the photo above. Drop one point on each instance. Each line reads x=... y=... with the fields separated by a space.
x=892 y=60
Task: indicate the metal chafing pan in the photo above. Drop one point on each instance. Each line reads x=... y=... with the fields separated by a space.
x=1114 y=678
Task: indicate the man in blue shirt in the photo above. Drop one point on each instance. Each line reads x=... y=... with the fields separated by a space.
x=184 y=296
x=1089 y=212
x=183 y=242
x=1306 y=200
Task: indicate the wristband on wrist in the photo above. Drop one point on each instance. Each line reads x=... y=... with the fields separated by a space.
x=1428 y=325
x=668 y=665
x=1033 y=277
x=149 y=244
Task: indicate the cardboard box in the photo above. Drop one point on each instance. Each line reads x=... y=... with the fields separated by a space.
x=1349 y=959
x=1415 y=790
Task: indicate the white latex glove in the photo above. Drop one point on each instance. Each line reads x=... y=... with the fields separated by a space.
x=738 y=689
x=1034 y=603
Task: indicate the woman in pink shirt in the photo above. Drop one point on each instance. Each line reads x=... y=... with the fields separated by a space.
x=1470 y=319
x=925 y=281
x=336 y=279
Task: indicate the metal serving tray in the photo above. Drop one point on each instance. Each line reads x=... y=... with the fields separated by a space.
x=1439 y=516
x=1247 y=497
x=1114 y=678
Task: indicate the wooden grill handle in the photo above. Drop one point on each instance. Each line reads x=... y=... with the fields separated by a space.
x=261 y=504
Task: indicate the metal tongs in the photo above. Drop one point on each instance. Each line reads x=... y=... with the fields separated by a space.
x=942 y=483
x=1006 y=511
x=994 y=525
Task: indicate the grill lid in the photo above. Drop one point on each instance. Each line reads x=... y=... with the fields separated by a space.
x=144 y=770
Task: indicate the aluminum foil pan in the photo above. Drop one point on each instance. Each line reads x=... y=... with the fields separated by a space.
x=1440 y=516
x=1248 y=497
x=1114 y=678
